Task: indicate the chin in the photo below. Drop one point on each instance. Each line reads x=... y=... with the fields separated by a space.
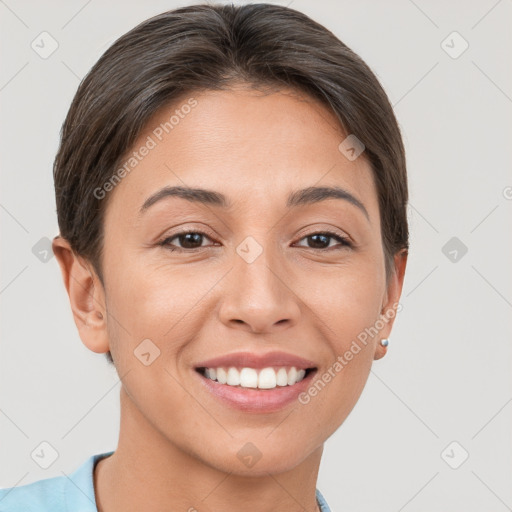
x=257 y=458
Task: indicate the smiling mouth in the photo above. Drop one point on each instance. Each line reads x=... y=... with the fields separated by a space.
x=264 y=378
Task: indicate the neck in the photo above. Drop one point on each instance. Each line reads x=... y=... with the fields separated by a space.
x=148 y=472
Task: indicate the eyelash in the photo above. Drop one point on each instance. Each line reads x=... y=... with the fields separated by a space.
x=344 y=241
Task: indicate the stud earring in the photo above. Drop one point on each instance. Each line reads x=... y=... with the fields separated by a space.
x=384 y=342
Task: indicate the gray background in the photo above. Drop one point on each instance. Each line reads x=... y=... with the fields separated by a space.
x=448 y=370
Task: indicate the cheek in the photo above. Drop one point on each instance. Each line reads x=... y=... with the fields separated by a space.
x=348 y=300
x=337 y=386
x=347 y=307
x=157 y=303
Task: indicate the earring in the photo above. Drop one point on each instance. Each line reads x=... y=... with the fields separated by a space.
x=384 y=342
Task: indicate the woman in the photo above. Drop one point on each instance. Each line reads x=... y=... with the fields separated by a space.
x=231 y=195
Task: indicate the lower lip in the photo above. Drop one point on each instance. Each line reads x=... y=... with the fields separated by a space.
x=256 y=400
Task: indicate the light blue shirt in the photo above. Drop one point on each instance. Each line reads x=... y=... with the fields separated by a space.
x=68 y=494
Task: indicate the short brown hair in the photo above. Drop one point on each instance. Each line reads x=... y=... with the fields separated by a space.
x=209 y=47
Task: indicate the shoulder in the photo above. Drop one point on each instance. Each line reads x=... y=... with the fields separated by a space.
x=66 y=493
x=47 y=494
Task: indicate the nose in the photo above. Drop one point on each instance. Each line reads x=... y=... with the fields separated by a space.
x=259 y=296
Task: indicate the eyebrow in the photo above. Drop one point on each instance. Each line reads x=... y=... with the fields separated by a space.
x=302 y=197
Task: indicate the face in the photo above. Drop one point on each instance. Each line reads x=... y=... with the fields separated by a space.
x=266 y=277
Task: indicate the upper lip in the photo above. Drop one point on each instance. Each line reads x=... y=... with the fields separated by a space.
x=257 y=361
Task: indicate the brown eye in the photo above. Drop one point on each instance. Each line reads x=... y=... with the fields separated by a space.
x=188 y=240
x=323 y=240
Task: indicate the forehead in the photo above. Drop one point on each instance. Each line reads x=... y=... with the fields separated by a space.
x=252 y=146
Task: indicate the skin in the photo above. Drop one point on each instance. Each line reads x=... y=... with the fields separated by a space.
x=310 y=300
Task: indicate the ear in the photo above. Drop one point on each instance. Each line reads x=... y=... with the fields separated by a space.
x=390 y=303
x=86 y=296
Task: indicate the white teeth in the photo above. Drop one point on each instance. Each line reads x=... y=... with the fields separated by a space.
x=210 y=373
x=233 y=377
x=282 y=377
x=292 y=376
x=221 y=375
x=268 y=378
x=248 y=378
